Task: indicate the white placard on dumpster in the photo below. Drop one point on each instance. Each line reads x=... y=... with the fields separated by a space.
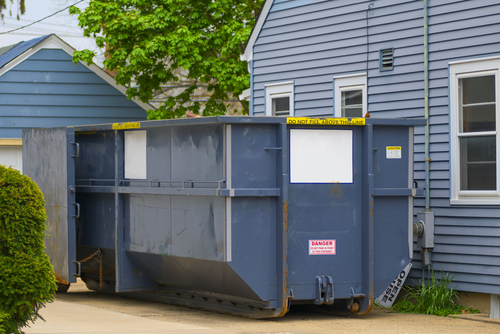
x=393 y=152
x=135 y=154
x=321 y=156
x=387 y=298
x=322 y=247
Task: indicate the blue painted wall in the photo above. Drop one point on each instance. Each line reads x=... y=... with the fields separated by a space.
x=311 y=42
x=48 y=90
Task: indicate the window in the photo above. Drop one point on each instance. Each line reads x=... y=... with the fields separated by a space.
x=279 y=99
x=350 y=95
x=474 y=142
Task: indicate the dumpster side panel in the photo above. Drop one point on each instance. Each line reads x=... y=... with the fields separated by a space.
x=197 y=154
x=254 y=156
x=254 y=244
x=158 y=153
x=252 y=221
x=184 y=226
x=45 y=158
x=392 y=159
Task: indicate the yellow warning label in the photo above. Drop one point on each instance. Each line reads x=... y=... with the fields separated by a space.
x=393 y=152
x=124 y=126
x=324 y=121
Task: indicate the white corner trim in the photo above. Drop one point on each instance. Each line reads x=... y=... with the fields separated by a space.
x=256 y=29
x=54 y=42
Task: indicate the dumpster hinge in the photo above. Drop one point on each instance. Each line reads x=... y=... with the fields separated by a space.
x=324 y=290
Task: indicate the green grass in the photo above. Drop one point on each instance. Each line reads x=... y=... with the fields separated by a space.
x=435 y=298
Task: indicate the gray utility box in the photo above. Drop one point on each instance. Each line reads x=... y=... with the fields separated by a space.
x=246 y=215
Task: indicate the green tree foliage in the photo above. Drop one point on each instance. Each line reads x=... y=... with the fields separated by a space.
x=148 y=40
x=26 y=276
x=21 y=8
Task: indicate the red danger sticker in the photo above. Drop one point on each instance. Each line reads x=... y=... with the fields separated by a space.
x=322 y=247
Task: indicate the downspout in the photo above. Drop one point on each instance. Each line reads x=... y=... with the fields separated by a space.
x=426 y=107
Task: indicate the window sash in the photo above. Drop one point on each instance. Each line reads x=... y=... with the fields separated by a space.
x=345 y=108
x=275 y=112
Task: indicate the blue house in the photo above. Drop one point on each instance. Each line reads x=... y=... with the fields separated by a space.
x=40 y=86
x=438 y=59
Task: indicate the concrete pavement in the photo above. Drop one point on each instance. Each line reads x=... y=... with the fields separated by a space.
x=62 y=317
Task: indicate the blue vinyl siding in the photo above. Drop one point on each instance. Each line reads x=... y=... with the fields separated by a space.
x=48 y=90
x=315 y=42
x=467 y=237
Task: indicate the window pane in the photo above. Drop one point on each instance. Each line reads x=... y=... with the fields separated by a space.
x=478 y=104
x=352 y=98
x=478 y=163
x=478 y=118
x=478 y=90
x=352 y=112
x=281 y=106
x=352 y=103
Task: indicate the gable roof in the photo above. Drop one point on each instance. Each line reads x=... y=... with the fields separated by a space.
x=15 y=54
x=12 y=51
x=264 y=11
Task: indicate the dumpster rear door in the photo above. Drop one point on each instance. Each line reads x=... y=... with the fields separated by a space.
x=325 y=210
x=48 y=159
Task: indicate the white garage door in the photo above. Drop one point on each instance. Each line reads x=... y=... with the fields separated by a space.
x=12 y=156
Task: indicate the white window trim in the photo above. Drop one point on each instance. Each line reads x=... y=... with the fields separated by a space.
x=279 y=89
x=468 y=69
x=349 y=82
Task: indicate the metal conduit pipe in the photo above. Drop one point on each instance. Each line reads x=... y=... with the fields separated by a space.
x=426 y=248
x=426 y=106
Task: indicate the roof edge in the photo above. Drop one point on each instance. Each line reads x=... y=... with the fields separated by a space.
x=264 y=11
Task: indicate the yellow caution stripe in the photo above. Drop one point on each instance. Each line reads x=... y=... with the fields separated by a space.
x=125 y=126
x=324 y=121
x=393 y=148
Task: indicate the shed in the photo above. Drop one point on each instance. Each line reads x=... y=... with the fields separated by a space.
x=40 y=86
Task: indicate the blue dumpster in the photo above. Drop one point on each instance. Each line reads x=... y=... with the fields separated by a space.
x=246 y=215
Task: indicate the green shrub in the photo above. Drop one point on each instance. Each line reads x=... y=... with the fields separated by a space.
x=435 y=298
x=26 y=276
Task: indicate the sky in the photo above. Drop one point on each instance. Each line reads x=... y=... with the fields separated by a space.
x=62 y=24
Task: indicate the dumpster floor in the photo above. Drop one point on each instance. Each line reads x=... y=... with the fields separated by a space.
x=86 y=312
